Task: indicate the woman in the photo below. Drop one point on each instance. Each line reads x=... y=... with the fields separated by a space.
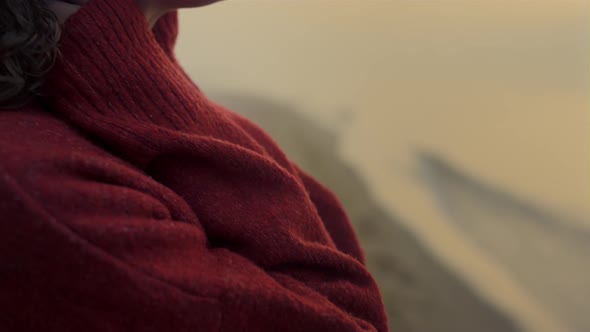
x=129 y=201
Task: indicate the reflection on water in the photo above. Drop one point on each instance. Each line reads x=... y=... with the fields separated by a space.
x=419 y=293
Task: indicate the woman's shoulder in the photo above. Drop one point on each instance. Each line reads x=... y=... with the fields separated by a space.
x=24 y=115
x=29 y=127
x=32 y=128
x=33 y=140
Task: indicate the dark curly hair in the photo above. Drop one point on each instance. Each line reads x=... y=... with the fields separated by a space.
x=29 y=45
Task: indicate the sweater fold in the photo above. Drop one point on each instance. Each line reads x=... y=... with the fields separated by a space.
x=132 y=202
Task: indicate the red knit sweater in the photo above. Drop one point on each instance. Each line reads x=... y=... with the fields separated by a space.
x=129 y=201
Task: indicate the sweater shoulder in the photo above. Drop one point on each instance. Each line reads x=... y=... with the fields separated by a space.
x=33 y=141
x=28 y=132
x=49 y=164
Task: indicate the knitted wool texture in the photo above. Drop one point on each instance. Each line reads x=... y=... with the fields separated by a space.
x=129 y=201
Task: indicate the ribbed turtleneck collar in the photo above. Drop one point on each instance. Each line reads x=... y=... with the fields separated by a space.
x=118 y=81
x=113 y=66
x=166 y=32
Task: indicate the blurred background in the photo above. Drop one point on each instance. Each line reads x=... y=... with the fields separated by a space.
x=455 y=133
